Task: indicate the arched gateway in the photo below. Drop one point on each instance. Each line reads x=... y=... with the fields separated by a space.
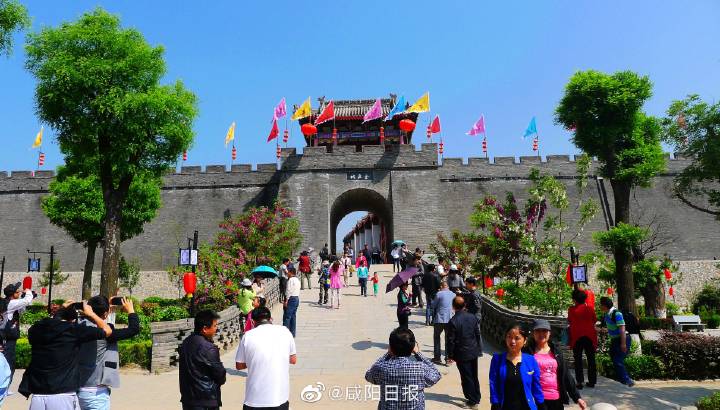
x=375 y=231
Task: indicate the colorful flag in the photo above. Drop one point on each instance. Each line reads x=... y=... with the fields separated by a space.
x=397 y=109
x=280 y=110
x=478 y=127
x=38 y=138
x=375 y=111
x=421 y=105
x=435 y=126
x=274 y=132
x=531 y=129
x=327 y=114
x=230 y=134
x=304 y=111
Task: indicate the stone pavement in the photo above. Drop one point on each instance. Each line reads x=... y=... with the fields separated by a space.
x=336 y=347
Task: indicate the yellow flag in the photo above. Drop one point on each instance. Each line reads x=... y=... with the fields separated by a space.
x=304 y=111
x=230 y=134
x=421 y=105
x=38 y=138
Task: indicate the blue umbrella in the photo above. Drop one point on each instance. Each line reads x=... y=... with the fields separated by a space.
x=265 y=271
x=398 y=242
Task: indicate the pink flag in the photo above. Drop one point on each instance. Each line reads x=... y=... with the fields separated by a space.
x=280 y=110
x=375 y=112
x=478 y=127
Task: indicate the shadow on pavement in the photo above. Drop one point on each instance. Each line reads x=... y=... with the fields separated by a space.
x=367 y=344
x=443 y=398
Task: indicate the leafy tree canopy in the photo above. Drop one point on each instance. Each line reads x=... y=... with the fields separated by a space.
x=13 y=17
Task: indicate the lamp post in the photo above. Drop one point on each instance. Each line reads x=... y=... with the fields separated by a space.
x=189 y=278
x=34 y=266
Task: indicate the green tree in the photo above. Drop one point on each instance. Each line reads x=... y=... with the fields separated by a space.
x=606 y=112
x=76 y=204
x=693 y=127
x=13 y=17
x=58 y=277
x=99 y=88
x=129 y=274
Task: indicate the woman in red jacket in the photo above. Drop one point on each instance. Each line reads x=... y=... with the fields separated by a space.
x=583 y=337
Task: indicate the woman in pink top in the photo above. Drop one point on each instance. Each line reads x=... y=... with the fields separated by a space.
x=557 y=384
x=336 y=283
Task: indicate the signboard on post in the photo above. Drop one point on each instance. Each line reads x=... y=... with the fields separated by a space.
x=579 y=274
x=188 y=257
x=33 y=265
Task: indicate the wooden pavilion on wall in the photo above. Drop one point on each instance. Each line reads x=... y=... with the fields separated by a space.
x=350 y=128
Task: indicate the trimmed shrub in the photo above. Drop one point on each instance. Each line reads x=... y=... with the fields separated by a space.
x=690 y=356
x=672 y=309
x=170 y=313
x=163 y=302
x=135 y=352
x=641 y=367
x=30 y=317
x=708 y=298
x=711 y=402
x=655 y=323
x=22 y=353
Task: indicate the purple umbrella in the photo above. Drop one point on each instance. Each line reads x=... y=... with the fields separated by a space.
x=401 y=278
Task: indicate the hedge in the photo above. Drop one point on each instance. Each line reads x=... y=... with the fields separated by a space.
x=689 y=356
x=640 y=367
x=137 y=352
x=711 y=402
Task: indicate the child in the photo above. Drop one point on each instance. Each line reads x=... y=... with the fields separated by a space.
x=375 y=281
x=362 y=274
x=259 y=301
x=324 y=282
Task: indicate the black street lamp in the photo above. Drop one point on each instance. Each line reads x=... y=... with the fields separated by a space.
x=34 y=266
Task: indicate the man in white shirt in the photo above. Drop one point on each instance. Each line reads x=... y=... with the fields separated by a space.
x=10 y=322
x=267 y=351
x=292 y=300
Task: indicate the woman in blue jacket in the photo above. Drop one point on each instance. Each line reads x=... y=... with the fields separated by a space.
x=515 y=376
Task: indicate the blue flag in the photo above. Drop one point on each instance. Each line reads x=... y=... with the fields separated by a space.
x=397 y=109
x=531 y=129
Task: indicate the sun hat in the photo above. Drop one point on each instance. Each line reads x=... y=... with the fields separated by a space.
x=246 y=282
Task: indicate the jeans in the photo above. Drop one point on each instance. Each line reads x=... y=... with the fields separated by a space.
x=289 y=315
x=439 y=328
x=584 y=344
x=428 y=310
x=469 y=380
x=303 y=278
x=363 y=286
x=95 y=400
x=323 y=296
x=618 y=359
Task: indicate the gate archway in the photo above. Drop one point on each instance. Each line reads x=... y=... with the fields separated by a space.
x=363 y=199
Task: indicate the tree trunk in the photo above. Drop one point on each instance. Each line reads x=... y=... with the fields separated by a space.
x=654 y=295
x=87 y=272
x=111 y=250
x=623 y=257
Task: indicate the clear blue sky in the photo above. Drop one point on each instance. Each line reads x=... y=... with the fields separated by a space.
x=507 y=60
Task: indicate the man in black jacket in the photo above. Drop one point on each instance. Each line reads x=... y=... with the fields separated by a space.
x=53 y=376
x=463 y=348
x=201 y=371
x=430 y=285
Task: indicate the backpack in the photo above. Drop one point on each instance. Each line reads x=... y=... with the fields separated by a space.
x=632 y=325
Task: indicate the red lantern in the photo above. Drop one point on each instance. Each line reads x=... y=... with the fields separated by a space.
x=382 y=135
x=189 y=283
x=27 y=282
x=428 y=132
x=668 y=274
x=671 y=291
x=41 y=159
x=43 y=291
x=484 y=145
x=610 y=291
x=234 y=154
x=308 y=129
x=407 y=125
x=286 y=136
x=441 y=148
x=488 y=282
x=184 y=155
x=535 y=144
x=278 y=152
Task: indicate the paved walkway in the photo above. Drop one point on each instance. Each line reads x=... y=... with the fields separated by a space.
x=336 y=347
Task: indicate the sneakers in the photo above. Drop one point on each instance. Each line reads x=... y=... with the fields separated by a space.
x=438 y=362
x=631 y=383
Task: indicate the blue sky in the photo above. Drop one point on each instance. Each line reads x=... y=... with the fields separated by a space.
x=508 y=60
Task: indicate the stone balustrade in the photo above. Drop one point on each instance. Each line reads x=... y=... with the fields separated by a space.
x=497 y=318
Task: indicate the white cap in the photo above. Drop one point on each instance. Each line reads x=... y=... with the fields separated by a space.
x=453 y=267
x=246 y=282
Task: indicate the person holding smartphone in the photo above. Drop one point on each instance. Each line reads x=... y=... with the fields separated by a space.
x=99 y=359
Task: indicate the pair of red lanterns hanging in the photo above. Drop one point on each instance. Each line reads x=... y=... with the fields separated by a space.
x=184 y=156
x=484 y=146
x=278 y=152
x=441 y=148
x=286 y=136
x=234 y=154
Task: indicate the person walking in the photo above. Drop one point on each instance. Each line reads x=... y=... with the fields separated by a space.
x=5 y=374
x=16 y=300
x=416 y=280
x=463 y=349
x=324 y=253
x=431 y=286
x=403 y=306
x=514 y=375
x=336 y=284
x=53 y=376
x=201 y=370
x=292 y=302
x=473 y=303
x=345 y=261
x=267 y=353
x=583 y=337
x=245 y=296
x=558 y=385
x=404 y=255
x=324 y=283
x=362 y=274
x=395 y=254
x=305 y=270
x=367 y=253
x=361 y=259
x=402 y=373
x=442 y=312
x=283 y=277
x=376 y=283
x=99 y=360
x=620 y=341
x=454 y=280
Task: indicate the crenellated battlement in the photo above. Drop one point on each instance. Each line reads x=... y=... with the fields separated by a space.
x=328 y=158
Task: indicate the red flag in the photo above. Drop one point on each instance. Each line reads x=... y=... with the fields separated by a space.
x=435 y=126
x=327 y=114
x=274 y=132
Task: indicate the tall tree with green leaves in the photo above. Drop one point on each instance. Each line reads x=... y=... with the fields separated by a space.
x=693 y=127
x=76 y=204
x=13 y=18
x=605 y=110
x=99 y=89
